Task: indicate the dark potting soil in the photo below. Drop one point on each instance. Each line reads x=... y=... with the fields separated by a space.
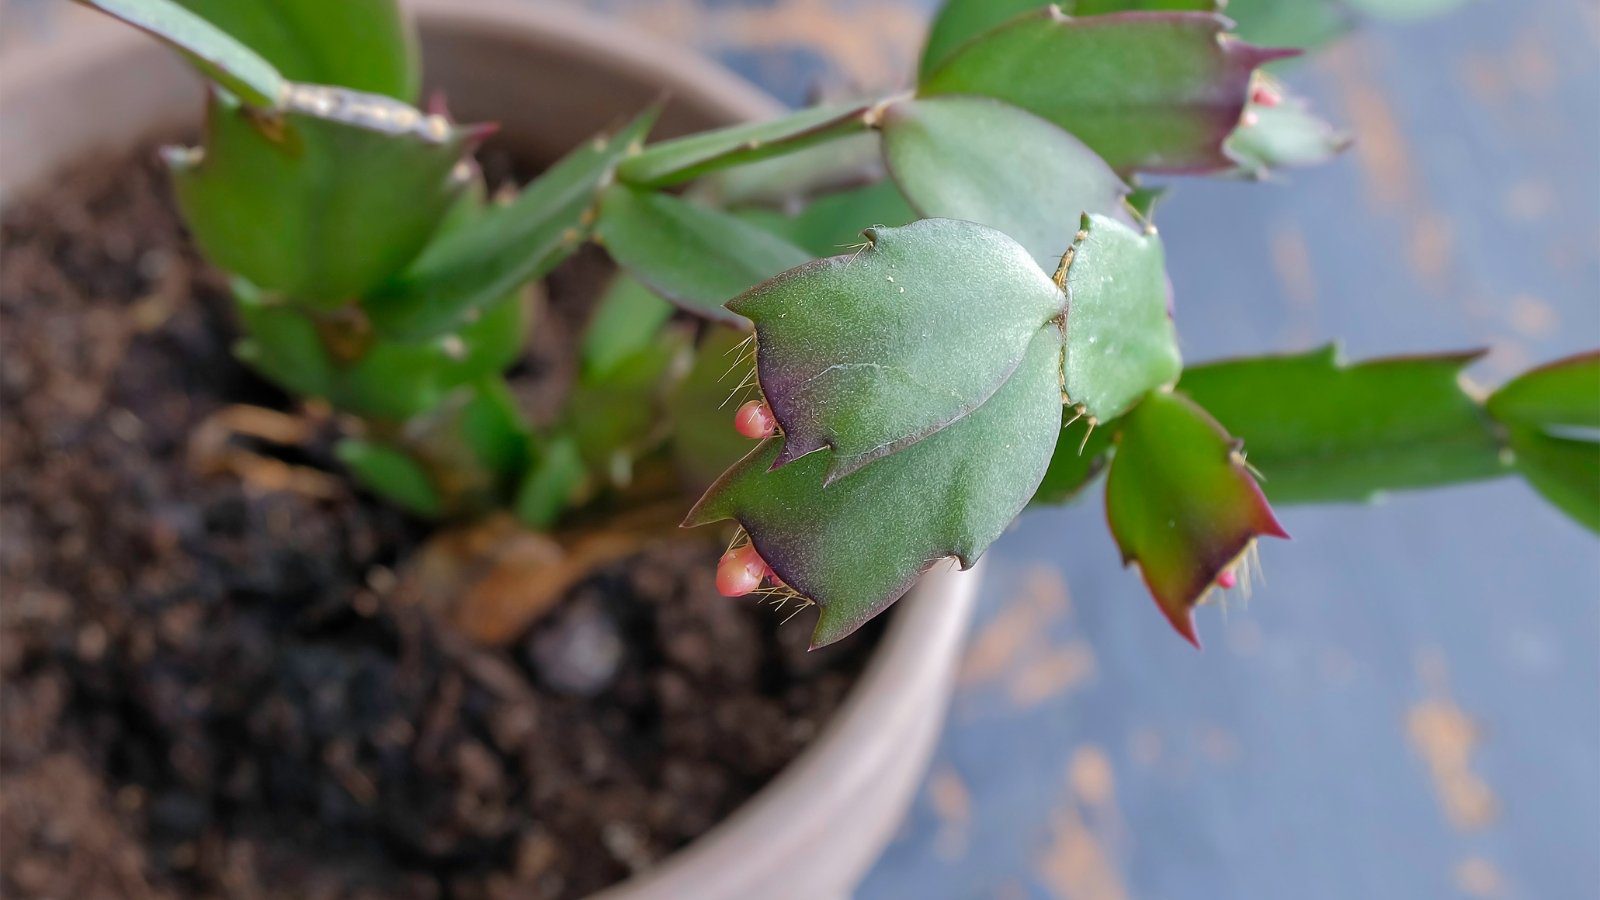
x=208 y=687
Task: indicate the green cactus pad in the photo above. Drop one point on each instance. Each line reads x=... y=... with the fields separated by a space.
x=1147 y=91
x=364 y=45
x=989 y=162
x=1121 y=342
x=676 y=161
x=872 y=351
x=325 y=200
x=857 y=545
x=695 y=256
x=1320 y=430
x=1181 y=503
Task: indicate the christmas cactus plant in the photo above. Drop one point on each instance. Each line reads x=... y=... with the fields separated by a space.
x=929 y=310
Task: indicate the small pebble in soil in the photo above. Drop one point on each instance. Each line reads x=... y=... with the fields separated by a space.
x=578 y=651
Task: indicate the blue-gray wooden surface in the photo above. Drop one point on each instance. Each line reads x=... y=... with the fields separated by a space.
x=1410 y=706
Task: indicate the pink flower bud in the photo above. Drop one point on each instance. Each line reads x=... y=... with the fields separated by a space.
x=740 y=571
x=754 y=420
x=1227 y=579
x=1265 y=96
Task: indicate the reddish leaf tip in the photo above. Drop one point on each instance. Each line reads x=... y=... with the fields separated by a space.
x=1183 y=623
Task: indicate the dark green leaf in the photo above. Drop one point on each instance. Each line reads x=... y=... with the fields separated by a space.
x=989 y=162
x=676 y=161
x=232 y=65
x=1566 y=471
x=553 y=481
x=1120 y=339
x=833 y=223
x=697 y=257
x=627 y=319
x=1322 y=431
x=326 y=200
x=1565 y=393
x=1081 y=454
x=700 y=411
x=282 y=344
x=493 y=428
x=365 y=45
x=1150 y=91
x=783 y=181
x=1181 y=503
x=961 y=20
x=1283 y=136
x=875 y=350
x=392 y=475
x=507 y=247
x=857 y=545
x=1305 y=24
x=1144 y=199
x=389 y=380
x=616 y=416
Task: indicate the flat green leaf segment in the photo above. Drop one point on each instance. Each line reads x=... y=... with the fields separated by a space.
x=1121 y=342
x=1322 y=431
x=1565 y=471
x=989 y=162
x=686 y=158
x=1157 y=92
x=870 y=352
x=627 y=319
x=961 y=20
x=365 y=45
x=1565 y=393
x=832 y=224
x=1181 y=503
x=507 y=247
x=391 y=380
x=326 y=199
x=783 y=181
x=700 y=409
x=232 y=65
x=693 y=255
x=857 y=545
x=391 y=474
x=1287 y=135
x=1552 y=414
x=618 y=415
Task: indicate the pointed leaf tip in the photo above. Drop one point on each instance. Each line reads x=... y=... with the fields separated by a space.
x=1181 y=503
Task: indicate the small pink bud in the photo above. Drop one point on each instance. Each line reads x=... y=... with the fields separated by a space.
x=1265 y=96
x=754 y=420
x=740 y=571
x=1249 y=119
x=1227 y=580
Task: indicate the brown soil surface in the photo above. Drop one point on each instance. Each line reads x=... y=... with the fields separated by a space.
x=207 y=688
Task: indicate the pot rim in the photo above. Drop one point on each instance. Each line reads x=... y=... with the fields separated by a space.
x=912 y=665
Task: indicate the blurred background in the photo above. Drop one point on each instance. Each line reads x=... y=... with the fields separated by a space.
x=1410 y=705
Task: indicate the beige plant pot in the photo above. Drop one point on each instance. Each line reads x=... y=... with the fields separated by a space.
x=552 y=78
